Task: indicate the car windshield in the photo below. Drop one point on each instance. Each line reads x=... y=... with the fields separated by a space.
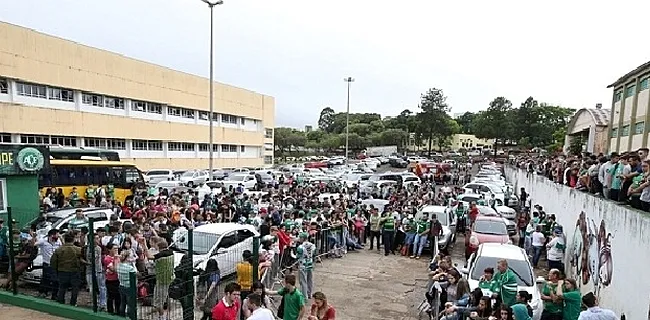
x=408 y=179
x=490 y=227
x=236 y=178
x=188 y=174
x=520 y=268
x=203 y=242
x=53 y=219
x=157 y=173
x=469 y=199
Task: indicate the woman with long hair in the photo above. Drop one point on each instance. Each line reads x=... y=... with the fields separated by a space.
x=320 y=309
x=504 y=313
x=209 y=280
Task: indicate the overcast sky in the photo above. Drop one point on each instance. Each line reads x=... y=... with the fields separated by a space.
x=299 y=51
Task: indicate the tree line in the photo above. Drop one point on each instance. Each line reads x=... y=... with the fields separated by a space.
x=530 y=125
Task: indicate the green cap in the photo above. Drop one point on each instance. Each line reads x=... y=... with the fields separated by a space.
x=303 y=235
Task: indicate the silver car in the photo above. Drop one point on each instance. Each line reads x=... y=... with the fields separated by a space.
x=448 y=221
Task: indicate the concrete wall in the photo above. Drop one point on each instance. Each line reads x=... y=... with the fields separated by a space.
x=607 y=244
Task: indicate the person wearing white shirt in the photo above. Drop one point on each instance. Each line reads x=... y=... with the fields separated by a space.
x=47 y=246
x=258 y=312
x=538 y=240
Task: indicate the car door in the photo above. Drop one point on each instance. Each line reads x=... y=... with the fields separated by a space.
x=225 y=254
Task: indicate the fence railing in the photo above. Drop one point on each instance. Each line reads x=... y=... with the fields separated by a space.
x=156 y=279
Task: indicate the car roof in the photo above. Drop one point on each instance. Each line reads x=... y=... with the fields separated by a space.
x=434 y=209
x=67 y=212
x=221 y=228
x=503 y=251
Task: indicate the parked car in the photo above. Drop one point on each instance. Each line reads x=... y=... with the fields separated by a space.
x=158 y=175
x=234 y=180
x=448 y=221
x=194 y=177
x=488 y=254
x=511 y=226
x=486 y=229
x=224 y=242
x=169 y=185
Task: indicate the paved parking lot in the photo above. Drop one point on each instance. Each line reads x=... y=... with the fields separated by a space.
x=11 y=312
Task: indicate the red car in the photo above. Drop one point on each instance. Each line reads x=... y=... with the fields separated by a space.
x=486 y=229
x=315 y=164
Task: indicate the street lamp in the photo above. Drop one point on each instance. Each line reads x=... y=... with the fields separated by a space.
x=211 y=4
x=349 y=80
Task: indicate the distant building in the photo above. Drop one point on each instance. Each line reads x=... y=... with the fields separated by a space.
x=309 y=128
x=591 y=127
x=469 y=142
x=629 y=115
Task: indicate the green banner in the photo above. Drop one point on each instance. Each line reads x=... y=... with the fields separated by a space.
x=23 y=159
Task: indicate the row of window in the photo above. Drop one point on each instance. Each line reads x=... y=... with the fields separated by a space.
x=119 y=144
x=639 y=128
x=98 y=100
x=630 y=90
x=268 y=133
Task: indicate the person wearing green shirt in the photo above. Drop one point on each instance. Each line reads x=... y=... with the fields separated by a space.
x=74 y=197
x=481 y=201
x=552 y=307
x=568 y=291
x=487 y=279
x=423 y=226
x=460 y=217
x=505 y=283
x=388 y=232
x=294 y=301
x=410 y=226
x=375 y=228
x=78 y=221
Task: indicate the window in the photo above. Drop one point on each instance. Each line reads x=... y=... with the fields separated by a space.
x=5 y=138
x=4 y=86
x=180 y=146
x=92 y=99
x=625 y=131
x=173 y=111
x=187 y=113
x=64 y=141
x=243 y=121
x=639 y=127
x=215 y=117
x=242 y=149
x=60 y=94
x=643 y=84
x=114 y=103
x=95 y=143
x=228 y=148
x=614 y=132
x=203 y=115
x=268 y=146
x=140 y=106
x=3 y=195
x=154 y=145
x=618 y=95
x=116 y=144
x=34 y=139
x=268 y=133
x=630 y=91
x=31 y=90
x=268 y=159
x=204 y=147
x=228 y=118
x=154 y=108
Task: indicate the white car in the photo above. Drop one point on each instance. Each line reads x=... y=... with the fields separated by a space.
x=193 y=178
x=169 y=185
x=487 y=256
x=411 y=179
x=158 y=175
x=224 y=242
x=234 y=180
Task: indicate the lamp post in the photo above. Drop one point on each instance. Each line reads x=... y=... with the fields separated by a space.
x=211 y=4
x=349 y=80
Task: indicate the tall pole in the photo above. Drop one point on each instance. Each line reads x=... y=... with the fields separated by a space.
x=211 y=154
x=211 y=4
x=349 y=80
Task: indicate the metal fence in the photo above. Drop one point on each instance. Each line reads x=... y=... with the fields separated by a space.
x=183 y=281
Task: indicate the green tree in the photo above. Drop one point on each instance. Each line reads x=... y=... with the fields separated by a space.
x=362 y=129
x=326 y=119
x=465 y=122
x=434 y=118
x=281 y=138
x=495 y=122
x=394 y=137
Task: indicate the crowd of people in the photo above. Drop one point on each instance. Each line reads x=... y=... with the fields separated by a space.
x=619 y=177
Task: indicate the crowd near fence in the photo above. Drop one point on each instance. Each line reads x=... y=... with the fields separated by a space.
x=146 y=297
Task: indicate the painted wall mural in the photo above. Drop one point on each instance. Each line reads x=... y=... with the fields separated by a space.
x=591 y=253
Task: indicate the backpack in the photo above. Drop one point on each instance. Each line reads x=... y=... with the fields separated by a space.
x=176 y=289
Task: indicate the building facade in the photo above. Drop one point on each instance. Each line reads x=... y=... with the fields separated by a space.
x=55 y=91
x=630 y=120
x=589 y=127
x=468 y=142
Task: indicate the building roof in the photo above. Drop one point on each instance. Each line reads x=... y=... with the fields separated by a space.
x=640 y=69
x=599 y=116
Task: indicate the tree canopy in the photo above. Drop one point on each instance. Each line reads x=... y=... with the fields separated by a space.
x=532 y=124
